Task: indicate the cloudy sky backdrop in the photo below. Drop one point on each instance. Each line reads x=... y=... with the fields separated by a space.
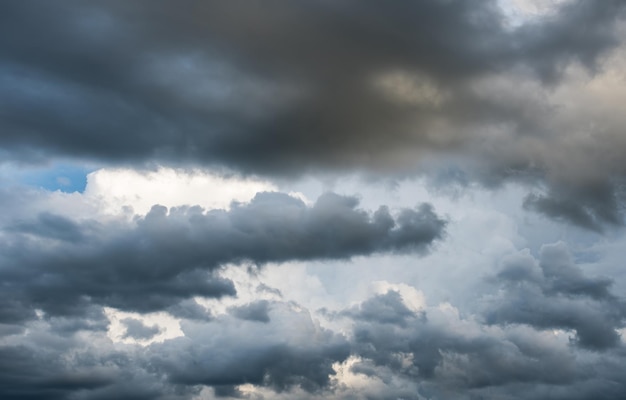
x=312 y=199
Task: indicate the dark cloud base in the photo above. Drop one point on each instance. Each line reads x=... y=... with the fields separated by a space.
x=62 y=267
x=277 y=346
x=310 y=86
x=441 y=88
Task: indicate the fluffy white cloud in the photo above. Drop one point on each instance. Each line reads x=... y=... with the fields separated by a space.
x=141 y=189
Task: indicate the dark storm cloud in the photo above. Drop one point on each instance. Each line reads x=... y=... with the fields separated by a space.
x=291 y=86
x=285 y=88
x=165 y=257
x=262 y=88
x=555 y=294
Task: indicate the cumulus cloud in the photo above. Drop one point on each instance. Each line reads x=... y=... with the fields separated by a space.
x=553 y=293
x=439 y=353
x=291 y=350
x=255 y=311
x=389 y=348
x=194 y=266
x=61 y=266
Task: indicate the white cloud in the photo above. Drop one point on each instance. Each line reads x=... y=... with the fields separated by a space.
x=519 y=12
x=122 y=187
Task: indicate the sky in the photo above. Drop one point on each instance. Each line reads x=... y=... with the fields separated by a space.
x=312 y=199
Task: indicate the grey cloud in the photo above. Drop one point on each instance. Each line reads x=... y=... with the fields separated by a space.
x=255 y=311
x=89 y=81
x=450 y=357
x=227 y=391
x=267 y=289
x=189 y=309
x=286 y=88
x=45 y=362
x=26 y=374
x=92 y=319
x=589 y=206
x=383 y=309
x=433 y=353
x=565 y=277
x=555 y=294
x=136 y=329
x=11 y=329
x=440 y=354
x=14 y=311
x=569 y=210
x=312 y=85
x=166 y=257
x=290 y=350
x=51 y=226
x=552 y=45
x=33 y=372
x=277 y=366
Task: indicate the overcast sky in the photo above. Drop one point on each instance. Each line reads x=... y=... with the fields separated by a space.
x=312 y=199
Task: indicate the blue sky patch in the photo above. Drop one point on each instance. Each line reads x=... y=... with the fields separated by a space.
x=63 y=177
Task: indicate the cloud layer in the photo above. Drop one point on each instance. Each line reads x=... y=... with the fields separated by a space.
x=323 y=86
x=62 y=266
x=465 y=238
x=391 y=346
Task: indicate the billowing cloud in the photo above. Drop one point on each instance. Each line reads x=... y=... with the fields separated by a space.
x=61 y=266
x=437 y=353
x=554 y=293
x=256 y=311
x=389 y=348
x=312 y=199
x=318 y=86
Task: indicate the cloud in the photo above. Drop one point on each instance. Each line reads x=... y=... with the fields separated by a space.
x=136 y=329
x=554 y=294
x=180 y=272
x=402 y=86
x=50 y=226
x=255 y=311
x=591 y=206
x=154 y=262
x=290 y=350
x=383 y=309
x=200 y=83
x=388 y=349
x=189 y=309
x=439 y=353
